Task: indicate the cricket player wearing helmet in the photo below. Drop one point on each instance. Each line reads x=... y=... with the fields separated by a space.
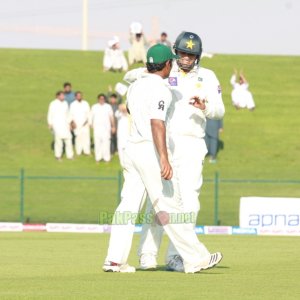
x=190 y=84
x=147 y=168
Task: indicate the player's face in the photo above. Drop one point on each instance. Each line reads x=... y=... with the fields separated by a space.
x=101 y=100
x=61 y=97
x=186 y=60
x=168 y=68
x=68 y=88
x=79 y=96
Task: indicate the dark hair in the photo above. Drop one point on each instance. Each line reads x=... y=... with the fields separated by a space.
x=113 y=96
x=164 y=33
x=58 y=93
x=152 y=67
x=101 y=95
x=77 y=92
x=67 y=84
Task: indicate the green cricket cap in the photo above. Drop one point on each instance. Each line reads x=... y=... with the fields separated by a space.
x=160 y=53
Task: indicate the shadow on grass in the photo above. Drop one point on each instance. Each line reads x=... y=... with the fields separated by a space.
x=163 y=269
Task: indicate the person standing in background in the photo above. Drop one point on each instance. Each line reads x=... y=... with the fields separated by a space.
x=113 y=101
x=103 y=123
x=123 y=130
x=59 y=122
x=212 y=130
x=79 y=114
x=137 y=50
x=164 y=40
x=69 y=95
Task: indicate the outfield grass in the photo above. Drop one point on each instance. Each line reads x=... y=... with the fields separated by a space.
x=259 y=145
x=68 y=266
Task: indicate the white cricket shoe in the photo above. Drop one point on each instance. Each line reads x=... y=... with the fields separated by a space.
x=148 y=262
x=114 y=267
x=175 y=263
x=212 y=260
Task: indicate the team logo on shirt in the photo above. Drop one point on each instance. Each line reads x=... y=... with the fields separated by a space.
x=219 y=89
x=161 y=105
x=173 y=81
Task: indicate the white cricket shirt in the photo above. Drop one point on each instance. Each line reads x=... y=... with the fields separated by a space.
x=147 y=98
x=186 y=119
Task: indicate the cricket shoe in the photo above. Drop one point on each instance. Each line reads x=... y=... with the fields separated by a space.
x=120 y=268
x=212 y=260
x=175 y=263
x=148 y=262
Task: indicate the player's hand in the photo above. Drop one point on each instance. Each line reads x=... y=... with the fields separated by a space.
x=113 y=130
x=73 y=125
x=166 y=170
x=198 y=103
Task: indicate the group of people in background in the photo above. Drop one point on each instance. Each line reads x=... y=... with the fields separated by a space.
x=114 y=58
x=71 y=119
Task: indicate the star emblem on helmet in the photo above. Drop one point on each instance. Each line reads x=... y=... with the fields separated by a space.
x=190 y=44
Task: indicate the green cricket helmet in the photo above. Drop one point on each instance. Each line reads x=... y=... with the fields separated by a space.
x=191 y=43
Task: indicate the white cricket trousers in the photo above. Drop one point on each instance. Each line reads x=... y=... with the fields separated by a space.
x=58 y=147
x=102 y=147
x=141 y=174
x=188 y=155
x=83 y=141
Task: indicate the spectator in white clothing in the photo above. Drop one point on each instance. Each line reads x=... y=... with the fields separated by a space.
x=241 y=97
x=59 y=122
x=122 y=131
x=79 y=114
x=102 y=122
x=114 y=58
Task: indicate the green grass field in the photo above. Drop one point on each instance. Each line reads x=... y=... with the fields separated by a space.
x=259 y=145
x=68 y=266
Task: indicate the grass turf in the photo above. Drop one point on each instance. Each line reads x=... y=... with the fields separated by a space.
x=258 y=145
x=68 y=266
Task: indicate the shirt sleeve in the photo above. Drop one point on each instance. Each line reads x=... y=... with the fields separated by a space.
x=160 y=104
x=50 y=114
x=133 y=75
x=214 y=107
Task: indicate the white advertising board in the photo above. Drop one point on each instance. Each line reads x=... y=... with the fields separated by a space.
x=272 y=216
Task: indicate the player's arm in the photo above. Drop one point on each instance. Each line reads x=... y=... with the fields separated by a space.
x=112 y=122
x=159 y=138
x=158 y=114
x=132 y=75
x=214 y=106
x=49 y=116
x=233 y=80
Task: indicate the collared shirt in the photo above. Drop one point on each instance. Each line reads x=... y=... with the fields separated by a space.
x=147 y=98
x=185 y=119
